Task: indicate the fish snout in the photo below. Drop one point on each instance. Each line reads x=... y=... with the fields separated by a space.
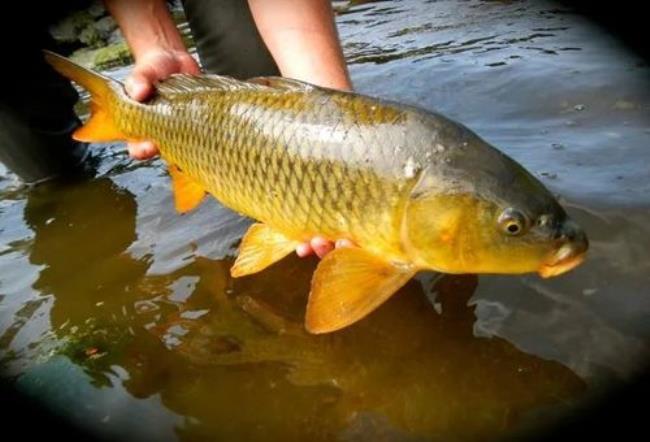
x=572 y=247
x=570 y=231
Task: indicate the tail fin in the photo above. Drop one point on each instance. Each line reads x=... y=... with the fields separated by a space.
x=100 y=126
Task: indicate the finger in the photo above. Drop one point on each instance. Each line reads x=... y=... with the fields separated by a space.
x=343 y=243
x=304 y=250
x=142 y=150
x=189 y=65
x=139 y=85
x=321 y=246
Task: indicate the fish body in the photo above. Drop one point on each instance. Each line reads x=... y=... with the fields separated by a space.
x=412 y=188
x=302 y=161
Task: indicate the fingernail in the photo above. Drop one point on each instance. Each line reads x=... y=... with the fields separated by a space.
x=136 y=89
x=147 y=148
x=303 y=250
x=139 y=91
x=318 y=241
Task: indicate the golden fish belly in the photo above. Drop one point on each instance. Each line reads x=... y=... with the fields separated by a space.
x=303 y=165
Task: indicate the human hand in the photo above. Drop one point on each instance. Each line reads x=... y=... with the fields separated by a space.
x=153 y=66
x=321 y=246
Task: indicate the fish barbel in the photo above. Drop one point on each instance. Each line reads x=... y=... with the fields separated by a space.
x=413 y=189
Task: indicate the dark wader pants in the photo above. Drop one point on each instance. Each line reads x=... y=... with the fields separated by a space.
x=36 y=111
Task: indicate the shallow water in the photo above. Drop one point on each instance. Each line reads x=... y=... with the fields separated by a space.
x=121 y=313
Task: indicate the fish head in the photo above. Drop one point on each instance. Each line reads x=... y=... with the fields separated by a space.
x=478 y=211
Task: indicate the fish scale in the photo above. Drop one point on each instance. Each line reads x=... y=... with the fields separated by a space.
x=245 y=145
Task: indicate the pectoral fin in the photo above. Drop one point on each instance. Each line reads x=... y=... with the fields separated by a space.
x=348 y=284
x=187 y=193
x=260 y=247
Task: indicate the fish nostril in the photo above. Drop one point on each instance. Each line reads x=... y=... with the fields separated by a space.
x=569 y=231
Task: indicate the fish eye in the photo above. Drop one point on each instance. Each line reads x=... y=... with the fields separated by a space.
x=512 y=222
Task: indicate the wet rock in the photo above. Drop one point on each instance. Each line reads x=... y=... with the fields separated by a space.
x=95 y=40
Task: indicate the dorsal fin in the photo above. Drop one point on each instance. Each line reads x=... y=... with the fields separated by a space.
x=184 y=83
x=289 y=84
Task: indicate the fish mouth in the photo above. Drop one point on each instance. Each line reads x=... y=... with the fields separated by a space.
x=570 y=255
x=561 y=266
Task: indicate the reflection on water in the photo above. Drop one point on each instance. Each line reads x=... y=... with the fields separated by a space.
x=231 y=356
x=122 y=314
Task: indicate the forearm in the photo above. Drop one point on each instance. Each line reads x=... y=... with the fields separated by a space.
x=146 y=24
x=303 y=40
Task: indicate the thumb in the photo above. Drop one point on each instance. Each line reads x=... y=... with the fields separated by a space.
x=138 y=85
